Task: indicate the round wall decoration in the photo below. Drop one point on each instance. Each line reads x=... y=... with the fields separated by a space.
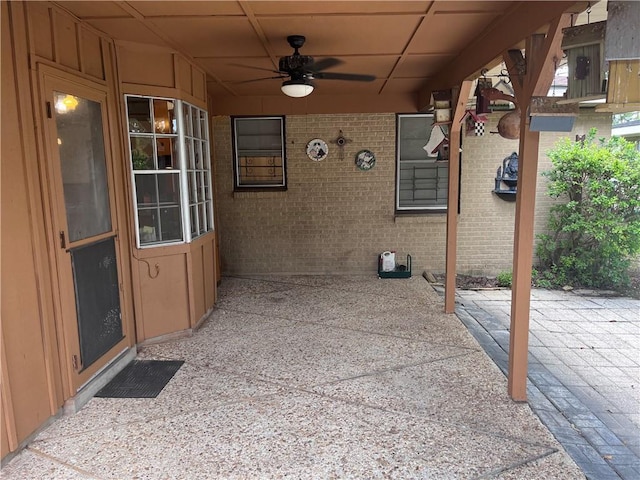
x=317 y=150
x=365 y=160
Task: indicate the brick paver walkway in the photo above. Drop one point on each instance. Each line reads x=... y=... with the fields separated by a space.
x=584 y=370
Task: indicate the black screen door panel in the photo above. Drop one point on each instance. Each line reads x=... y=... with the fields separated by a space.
x=95 y=276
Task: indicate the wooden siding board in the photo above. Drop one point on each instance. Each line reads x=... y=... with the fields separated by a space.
x=66 y=45
x=165 y=298
x=209 y=267
x=7 y=414
x=197 y=284
x=4 y=439
x=199 y=84
x=22 y=328
x=624 y=81
x=92 y=61
x=40 y=29
x=146 y=68
x=183 y=75
x=122 y=179
x=622 y=42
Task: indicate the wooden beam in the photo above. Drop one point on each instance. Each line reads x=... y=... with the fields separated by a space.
x=518 y=23
x=536 y=70
x=516 y=66
x=453 y=193
x=535 y=44
x=544 y=67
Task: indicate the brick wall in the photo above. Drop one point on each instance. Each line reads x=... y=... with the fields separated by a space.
x=486 y=222
x=335 y=218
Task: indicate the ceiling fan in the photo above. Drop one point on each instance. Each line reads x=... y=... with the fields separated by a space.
x=302 y=70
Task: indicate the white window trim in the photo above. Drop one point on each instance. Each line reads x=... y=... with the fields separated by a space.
x=184 y=181
x=201 y=139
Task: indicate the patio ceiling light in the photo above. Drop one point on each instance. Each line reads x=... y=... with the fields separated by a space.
x=297 y=88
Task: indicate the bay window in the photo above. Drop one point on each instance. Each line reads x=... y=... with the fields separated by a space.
x=170 y=170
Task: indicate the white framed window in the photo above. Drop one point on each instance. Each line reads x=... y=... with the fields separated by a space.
x=198 y=169
x=422 y=167
x=259 y=153
x=170 y=170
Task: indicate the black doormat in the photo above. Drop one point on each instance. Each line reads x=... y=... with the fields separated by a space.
x=141 y=379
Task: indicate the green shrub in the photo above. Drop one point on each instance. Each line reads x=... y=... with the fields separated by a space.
x=542 y=279
x=595 y=234
x=504 y=279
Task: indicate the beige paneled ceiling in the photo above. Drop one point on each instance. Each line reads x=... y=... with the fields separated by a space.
x=410 y=47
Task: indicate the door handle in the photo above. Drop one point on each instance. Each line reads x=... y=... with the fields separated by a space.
x=63 y=241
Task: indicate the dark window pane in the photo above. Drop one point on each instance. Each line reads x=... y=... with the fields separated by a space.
x=169 y=188
x=166 y=153
x=146 y=190
x=139 y=115
x=193 y=210
x=170 y=223
x=148 y=225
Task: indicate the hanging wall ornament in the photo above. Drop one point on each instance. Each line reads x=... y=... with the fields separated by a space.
x=474 y=123
x=317 y=150
x=341 y=141
x=509 y=124
x=482 y=102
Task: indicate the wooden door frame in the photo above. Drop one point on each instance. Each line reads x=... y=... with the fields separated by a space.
x=52 y=79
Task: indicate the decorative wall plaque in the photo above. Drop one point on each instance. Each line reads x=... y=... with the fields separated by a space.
x=365 y=160
x=317 y=150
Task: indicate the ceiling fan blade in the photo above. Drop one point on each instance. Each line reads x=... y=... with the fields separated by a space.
x=253 y=68
x=324 y=64
x=260 y=79
x=357 y=77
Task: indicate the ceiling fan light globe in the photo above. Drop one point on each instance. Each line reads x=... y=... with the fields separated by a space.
x=297 y=88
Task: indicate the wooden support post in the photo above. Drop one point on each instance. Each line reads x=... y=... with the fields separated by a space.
x=452 y=197
x=522 y=261
x=541 y=56
x=452 y=223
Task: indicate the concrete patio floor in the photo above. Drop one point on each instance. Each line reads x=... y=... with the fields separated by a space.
x=311 y=377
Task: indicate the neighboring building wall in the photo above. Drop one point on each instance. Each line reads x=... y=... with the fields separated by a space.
x=336 y=219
